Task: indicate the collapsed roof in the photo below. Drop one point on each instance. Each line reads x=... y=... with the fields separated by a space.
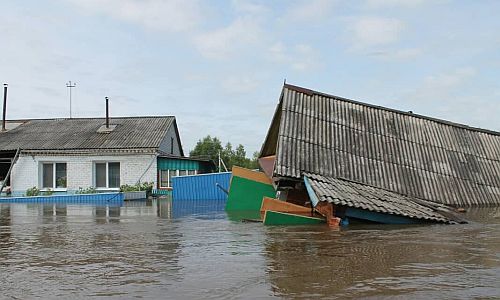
x=402 y=152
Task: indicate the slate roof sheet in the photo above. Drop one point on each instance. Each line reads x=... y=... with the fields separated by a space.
x=406 y=153
x=356 y=195
x=82 y=133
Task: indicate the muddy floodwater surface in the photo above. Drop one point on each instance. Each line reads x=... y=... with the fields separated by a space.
x=152 y=250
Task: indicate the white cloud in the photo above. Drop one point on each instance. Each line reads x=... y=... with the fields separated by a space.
x=367 y=32
x=300 y=57
x=248 y=7
x=398 y=54
x=394 y=3
x=237 y=85
x=223 y=43
x=446 y=96
x=164 y=15
x=447 y=81
x=312 y=10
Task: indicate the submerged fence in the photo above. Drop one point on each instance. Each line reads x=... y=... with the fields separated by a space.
x=212 y=186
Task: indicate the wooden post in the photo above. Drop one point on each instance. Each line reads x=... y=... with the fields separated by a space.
x=328 y=211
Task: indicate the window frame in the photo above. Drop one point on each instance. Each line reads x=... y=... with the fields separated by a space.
x=54 y=176
x=169 y=177
x=94 y=175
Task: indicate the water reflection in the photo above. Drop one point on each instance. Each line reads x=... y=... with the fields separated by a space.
x=367 y=261
x=161 y=248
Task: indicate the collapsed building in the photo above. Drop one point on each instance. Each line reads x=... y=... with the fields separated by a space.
x=375 y=163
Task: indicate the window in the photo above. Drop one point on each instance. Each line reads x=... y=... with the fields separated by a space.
x=164 y=179
x=167 y=175
x=54 y=176
x=107 y=174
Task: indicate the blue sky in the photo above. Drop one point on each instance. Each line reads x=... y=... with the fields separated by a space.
x=219 y=66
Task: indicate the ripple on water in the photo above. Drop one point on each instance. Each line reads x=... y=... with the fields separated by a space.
x=142 y=251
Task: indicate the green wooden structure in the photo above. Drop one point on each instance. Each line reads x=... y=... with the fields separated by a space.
x=281 y=218
x=247 y=194
x=172 y=166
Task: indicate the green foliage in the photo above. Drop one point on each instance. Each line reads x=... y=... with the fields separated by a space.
x=145 y=186
x=61 y=182
x=34 y=191
x=89 y=190
x=209 y=147
x=48 y=192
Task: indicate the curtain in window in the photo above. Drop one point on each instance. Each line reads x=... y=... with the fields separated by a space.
x=61 y=180
x=100 y=175
x=114 y=174
x=48 y=176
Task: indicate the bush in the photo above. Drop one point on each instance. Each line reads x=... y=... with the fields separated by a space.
x=89 y=190
x=48 y=192
x=145 y=186
x=34 y=191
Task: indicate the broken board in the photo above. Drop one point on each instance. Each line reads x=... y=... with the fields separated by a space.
x=247 y=189
x=282 y=206
x=281 y=218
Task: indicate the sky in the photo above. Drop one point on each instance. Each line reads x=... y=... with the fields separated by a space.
x=219 y=66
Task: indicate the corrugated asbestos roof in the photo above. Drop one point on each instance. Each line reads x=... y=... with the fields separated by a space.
x=356 y=195
x=409 y=154
x=67 y=134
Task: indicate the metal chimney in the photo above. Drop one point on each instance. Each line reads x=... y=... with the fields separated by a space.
x=4 y=106
x=107 y=113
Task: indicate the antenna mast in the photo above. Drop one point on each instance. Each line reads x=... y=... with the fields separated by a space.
x=70 y=85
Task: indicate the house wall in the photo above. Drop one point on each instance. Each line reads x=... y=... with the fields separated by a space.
x=165 y=145
x=80 y=173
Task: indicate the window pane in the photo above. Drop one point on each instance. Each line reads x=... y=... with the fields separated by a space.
x=48 y=175
x=61 y=175
x=191 y=172
x=172 y=174
x=164 y=178
x=114 y=174
x=100 y=175
x=182 y=172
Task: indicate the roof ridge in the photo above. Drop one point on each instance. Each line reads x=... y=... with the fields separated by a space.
x=90 y=118
x=411 y=114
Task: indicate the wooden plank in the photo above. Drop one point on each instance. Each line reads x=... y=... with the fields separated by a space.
x=280 y=218
x=282 y=206
x=267 y=164
x=310 y=191
x=247 y=194
x=252 y=175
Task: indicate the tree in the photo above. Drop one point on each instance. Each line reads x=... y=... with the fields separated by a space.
x=209 y=147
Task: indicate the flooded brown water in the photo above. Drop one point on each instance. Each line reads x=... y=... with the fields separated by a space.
x=147 y=250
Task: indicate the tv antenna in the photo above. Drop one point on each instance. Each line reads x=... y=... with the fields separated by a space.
x=70 y=85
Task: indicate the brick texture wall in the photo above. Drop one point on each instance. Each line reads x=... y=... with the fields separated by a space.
x=27 y=171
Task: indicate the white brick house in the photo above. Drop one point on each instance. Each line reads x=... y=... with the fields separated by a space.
x=64 y=155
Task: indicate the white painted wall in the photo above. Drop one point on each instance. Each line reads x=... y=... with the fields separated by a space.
x=27 y=170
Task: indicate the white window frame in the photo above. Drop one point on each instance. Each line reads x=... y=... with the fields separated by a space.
x=94 y=175
x=169 y=178
x=54 y=171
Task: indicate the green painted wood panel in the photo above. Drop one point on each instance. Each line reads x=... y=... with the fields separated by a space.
x=246 y=194
x=177 y=164
x=280 y=218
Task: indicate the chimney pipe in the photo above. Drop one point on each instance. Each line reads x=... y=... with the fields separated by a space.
x=107 y=113
x=4 y=106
